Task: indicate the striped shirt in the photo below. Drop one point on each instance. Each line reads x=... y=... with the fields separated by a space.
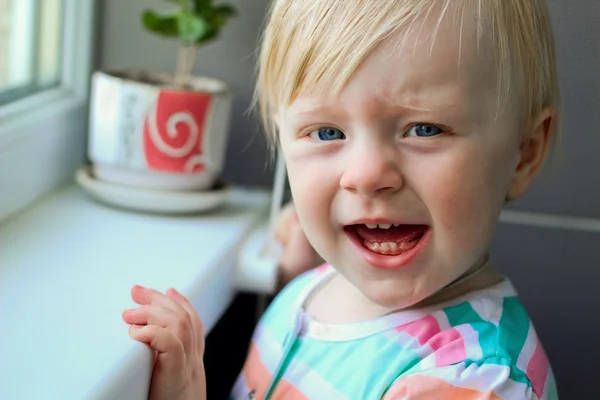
x=478 y=346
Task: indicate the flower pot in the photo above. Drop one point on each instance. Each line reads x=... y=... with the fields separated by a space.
x=146 y=132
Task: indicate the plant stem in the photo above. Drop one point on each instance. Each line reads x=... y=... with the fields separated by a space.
x=179 y=74
x=186 y=59
x=192 y=56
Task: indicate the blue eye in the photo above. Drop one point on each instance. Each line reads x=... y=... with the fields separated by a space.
x=327 y=134
x=424 y=130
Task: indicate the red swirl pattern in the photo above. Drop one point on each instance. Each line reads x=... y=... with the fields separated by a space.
x=174 y=131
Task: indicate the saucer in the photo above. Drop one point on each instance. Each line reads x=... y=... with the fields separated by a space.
x=153 y=201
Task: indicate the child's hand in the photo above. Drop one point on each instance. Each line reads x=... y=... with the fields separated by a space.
x=298 y=254
x=170 y=326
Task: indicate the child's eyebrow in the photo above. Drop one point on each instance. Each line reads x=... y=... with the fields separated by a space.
x=417 y=101
x=309 y=108
x=312 y=107
x=426 y=101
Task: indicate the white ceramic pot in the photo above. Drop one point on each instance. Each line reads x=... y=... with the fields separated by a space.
x=146 y=133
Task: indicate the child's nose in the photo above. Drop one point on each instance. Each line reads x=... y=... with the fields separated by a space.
x=372 y=171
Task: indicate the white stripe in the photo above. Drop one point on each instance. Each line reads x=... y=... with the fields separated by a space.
x=549 y=381
x=528 y=349
x=428 y=362
x=482 y=378
x=310 y=383
x=484 y=309
x=510 y=389
x=406 y=341
x=550 y=221
x=471 y=339
x=300 y=375
x=442 y=320
x=264 y=339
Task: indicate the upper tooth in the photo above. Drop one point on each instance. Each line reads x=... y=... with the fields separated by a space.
x=385 y=226
x=371 y=226
x=396 y=224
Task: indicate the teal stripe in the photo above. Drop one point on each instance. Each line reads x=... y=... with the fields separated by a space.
x=512 y=334
x=492 y=339
x=278 y=316
x=512 y=329
x=464 y=314
x=289 y=355
x=375 y=359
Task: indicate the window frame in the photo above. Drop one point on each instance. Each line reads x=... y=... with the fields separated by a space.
x=43 y=136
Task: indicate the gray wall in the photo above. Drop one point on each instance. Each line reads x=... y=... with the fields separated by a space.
x=556 y=268
x=124 y=44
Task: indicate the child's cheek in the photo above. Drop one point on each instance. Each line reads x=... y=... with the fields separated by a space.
x=311 y=201
x=462 y=200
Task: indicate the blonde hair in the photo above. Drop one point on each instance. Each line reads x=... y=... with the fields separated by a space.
x=311 y=44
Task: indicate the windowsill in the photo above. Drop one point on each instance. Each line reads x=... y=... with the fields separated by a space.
x=66 y=269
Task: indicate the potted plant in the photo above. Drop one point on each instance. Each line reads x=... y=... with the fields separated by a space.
x=160 y=130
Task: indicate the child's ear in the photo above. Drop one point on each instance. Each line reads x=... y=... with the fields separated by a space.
x=533 y=152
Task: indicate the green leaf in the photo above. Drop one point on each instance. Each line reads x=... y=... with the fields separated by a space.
x=201 y=5
x=210 y=35
x=225 y=10
x=191 y=27
x=219 y=15
x=164 y=25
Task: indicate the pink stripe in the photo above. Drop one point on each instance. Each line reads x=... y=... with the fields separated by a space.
x=537 y=369
x=448 y=346
x=422 y=329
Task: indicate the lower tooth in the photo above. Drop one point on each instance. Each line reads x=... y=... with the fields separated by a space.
x=382 y=248
x=389 y=247
x=373 y=246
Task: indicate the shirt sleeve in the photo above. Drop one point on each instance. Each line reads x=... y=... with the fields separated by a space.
x=494 y=379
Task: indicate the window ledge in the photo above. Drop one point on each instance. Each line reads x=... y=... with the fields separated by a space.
x=66 y=269
x=36 y=109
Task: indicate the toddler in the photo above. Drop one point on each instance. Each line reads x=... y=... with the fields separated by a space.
x=406 y=125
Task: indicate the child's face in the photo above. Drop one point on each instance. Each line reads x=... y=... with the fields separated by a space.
x=413 y=139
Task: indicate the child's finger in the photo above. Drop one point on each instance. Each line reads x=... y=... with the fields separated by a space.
x=182 y=300
x=160 y=340
x=187 y=305
x=151 y=315
x=169 y=353
x=145 y=296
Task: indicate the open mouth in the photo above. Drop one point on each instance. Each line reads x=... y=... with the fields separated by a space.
x=387 y=245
